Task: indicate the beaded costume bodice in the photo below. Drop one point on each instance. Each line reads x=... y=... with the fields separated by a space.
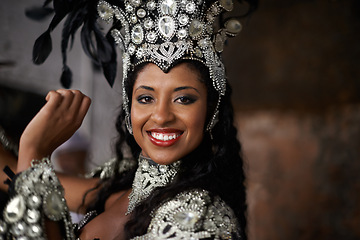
x=193 y=214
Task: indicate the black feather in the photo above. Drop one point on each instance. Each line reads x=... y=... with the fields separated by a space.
x=110 y=68
x=42 y=48
x=38 y=13
x=66 y=77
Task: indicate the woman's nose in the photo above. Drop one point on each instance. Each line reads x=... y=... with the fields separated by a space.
x=163 y=113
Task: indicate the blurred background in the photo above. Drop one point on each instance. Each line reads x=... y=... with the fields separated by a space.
x=296 y=90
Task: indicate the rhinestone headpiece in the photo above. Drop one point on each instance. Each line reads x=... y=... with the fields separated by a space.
x=164 y=32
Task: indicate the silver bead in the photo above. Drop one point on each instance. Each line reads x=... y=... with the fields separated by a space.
x=32 y=216
x=151 y=37
x=34 y=201
x=182 y=33
x=151 y=5
x=34 y=231
x=148 y=24
x=183 y=19
x=18 y=229
x=3 y=227
x=131 y=49
x=141 y=13
x=190 y=7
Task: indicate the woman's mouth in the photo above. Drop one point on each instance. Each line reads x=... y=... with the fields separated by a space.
x=164 y=138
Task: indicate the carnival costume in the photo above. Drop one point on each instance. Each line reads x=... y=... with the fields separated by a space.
x=163 y=32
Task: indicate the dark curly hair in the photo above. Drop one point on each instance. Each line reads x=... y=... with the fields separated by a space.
x=215 y=165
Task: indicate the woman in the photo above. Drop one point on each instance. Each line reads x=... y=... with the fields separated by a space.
x=184 y=178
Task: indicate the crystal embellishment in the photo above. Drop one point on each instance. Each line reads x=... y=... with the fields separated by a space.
x=166 y=26
x=105 y=10
x=137 y=34
x=190 y=7
x=53 y=206
x=149 y=176
x=228 y=5
x=15 y=209
x=233 y=26
x=187 y=218
x=183 y=20
x=168 y=7
x=195 y=28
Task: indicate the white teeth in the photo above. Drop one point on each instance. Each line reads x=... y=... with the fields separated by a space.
x=164 y=137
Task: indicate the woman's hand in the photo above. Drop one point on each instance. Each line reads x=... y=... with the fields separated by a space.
x=55 y=123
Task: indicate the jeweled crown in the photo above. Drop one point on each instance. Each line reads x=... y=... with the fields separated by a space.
x=166 y=31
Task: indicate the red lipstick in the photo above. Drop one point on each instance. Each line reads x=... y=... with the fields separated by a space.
x=164 y=137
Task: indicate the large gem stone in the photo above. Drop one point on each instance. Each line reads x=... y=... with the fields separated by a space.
x=187 y=218
x=195 y=28
x=137 y=34
x=167 y=26
x=15 y=209
x=233 y=26
x=54 y=206
x=228 y=5
x=168 y=7
x=105 y=10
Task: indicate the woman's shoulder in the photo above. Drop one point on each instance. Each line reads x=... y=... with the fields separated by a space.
x=193 y=214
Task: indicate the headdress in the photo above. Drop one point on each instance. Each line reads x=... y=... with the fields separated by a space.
x=163 y=32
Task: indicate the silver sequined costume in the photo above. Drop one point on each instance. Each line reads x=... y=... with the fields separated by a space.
x=38 y=193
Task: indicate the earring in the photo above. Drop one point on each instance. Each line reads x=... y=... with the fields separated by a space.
x=214 y=119
x=128 y=124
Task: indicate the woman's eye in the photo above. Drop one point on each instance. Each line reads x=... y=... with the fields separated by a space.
x=144 y=99
x=185 y=100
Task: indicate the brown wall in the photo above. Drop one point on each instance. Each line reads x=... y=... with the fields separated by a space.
x=296 y=79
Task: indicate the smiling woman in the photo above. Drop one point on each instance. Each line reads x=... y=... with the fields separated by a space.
x=184 y=178
x=168 y=112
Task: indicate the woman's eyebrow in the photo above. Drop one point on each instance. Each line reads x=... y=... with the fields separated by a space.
x=144 y=87
x=185 y=87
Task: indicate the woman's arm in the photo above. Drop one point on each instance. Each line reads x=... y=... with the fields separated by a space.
x=55 y=123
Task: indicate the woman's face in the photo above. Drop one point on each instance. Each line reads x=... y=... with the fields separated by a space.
x=168 y=112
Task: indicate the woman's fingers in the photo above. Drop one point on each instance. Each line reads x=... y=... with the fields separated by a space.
x=67 y=98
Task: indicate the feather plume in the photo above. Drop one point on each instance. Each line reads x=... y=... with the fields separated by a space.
x=42 y=48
